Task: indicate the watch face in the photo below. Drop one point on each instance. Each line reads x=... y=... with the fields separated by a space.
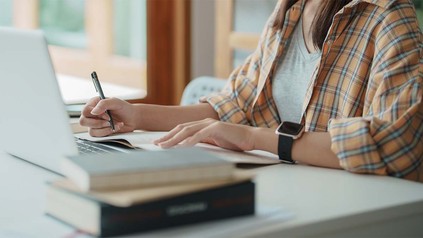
x=290 y=128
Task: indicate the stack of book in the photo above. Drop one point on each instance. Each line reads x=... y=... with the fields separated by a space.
x=116 y=194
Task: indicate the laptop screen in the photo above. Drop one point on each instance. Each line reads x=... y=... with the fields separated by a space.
x=34 y=122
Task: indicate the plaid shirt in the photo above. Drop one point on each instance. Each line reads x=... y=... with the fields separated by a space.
x=366 y=91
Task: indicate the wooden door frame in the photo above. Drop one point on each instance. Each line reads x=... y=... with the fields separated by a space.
x=168 y=50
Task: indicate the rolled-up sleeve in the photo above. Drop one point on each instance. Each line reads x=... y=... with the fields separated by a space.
x=387 y=140
x=233 y=102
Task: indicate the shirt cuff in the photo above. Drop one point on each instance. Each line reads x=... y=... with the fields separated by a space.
x=226 y=107
x=355 y=147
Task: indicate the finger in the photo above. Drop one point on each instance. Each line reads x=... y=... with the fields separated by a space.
x=198 y=137
x=173 y=132
x=89 y=106
x=93 y=122
x=100 y=132
x=169 y=135
x=106 y=104
x=182 y=134
x=180 y=127
x=92 y=102
x=86 y=112
x=105 y=131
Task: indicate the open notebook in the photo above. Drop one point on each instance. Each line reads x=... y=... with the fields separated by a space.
x=144 y=140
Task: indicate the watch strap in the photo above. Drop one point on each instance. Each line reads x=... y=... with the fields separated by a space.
x=285 y=148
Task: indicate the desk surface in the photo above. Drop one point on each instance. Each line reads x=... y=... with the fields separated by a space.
x=323 y=202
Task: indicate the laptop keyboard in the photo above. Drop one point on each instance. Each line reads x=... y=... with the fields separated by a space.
x=88 y=147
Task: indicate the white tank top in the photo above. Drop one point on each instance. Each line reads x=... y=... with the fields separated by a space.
x=292 y=76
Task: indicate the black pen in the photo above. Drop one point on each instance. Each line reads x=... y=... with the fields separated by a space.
x=98 y=88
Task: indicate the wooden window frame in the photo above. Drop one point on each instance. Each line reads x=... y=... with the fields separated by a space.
x=168 y=47
x=228 y=40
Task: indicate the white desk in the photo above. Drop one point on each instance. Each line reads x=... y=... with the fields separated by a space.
x=324 y=203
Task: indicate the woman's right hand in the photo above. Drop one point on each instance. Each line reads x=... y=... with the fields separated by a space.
x=95 y=117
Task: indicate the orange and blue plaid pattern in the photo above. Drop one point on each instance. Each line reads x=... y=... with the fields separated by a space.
x=366 y=91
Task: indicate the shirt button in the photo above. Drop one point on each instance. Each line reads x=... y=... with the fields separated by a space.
x=329 y=42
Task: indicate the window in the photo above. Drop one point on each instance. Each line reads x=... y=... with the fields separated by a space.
x=130 y=29
x=112 y=38
x=247 y=20
x=63 y=23
x=235 y=41
x=82 y=38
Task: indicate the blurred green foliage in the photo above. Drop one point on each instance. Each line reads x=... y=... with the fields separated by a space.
x=63 y=22
x=67 y=15
x=130 y=28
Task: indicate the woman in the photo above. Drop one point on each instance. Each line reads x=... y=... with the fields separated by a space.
x=349 y=71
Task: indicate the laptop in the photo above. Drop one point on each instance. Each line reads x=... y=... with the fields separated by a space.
x=34 y=123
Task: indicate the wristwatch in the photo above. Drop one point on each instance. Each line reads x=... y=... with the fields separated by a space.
x=288 y=132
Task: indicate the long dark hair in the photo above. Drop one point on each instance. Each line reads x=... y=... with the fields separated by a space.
x=321 y=22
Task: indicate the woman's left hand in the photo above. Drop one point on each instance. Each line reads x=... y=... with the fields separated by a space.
x=222 y=134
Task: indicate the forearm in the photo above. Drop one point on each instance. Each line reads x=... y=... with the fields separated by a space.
x=164 y=118
x=312 y=148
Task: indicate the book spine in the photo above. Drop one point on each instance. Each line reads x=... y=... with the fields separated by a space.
x=219 y=203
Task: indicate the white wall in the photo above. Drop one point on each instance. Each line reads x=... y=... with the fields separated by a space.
x=202 y=38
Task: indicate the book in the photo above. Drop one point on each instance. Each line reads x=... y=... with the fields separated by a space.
x=86 y=212
x=144 y=168
x=144 y=140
